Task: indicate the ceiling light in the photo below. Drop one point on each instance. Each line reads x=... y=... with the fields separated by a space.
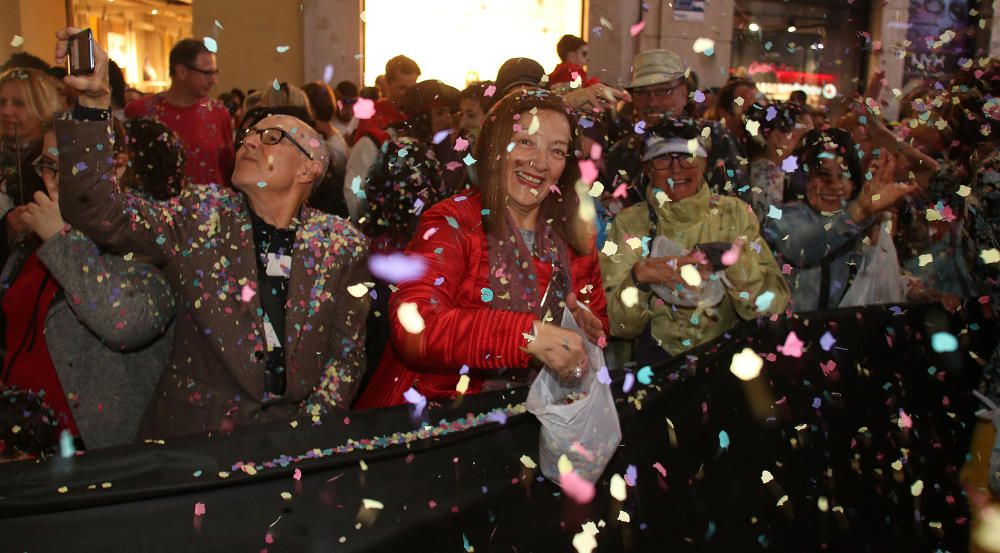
x=154 y=11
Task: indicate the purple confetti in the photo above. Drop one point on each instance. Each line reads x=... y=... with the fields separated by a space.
x=631 y=474
x=827 y=341
x=397 y=267
x=790 y=164
x=817 y=402
x=629 y=382
x=498 y=417
x=328 y=73
x=416 y=398
x=699 y=96
x=603 y=377
x=640 y=127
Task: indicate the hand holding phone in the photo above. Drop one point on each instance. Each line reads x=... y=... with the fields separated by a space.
x=81 y=53
x=95 y=92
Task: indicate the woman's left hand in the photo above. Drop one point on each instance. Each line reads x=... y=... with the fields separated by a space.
x=43 y=215
x=585 y=319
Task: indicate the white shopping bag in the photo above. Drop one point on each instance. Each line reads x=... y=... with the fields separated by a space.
x=880 y=279
x=578 y=417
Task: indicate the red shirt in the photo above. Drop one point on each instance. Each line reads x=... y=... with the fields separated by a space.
x=375 y=127
x=203 y=127
x=460 y=328
x=563 y=73
x=28 y=365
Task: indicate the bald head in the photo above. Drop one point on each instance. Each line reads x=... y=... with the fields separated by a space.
x=308 y=137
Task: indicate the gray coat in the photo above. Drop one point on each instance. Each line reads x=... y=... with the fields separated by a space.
x=108 y=334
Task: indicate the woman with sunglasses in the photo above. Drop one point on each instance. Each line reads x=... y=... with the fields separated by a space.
x=685 y=266
x=90 y=329
x=501 y=262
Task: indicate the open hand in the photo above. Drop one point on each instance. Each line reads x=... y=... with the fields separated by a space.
x=585 y=319
x=43 y=215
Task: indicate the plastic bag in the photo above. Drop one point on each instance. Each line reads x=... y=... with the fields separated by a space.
x=578 y=417
x=709 y=294
x=880 y=278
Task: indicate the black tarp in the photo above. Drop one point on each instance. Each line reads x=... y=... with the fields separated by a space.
x=829 y=434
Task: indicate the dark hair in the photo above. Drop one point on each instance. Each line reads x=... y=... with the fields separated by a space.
x=186 y=52
x=818 y=144
x=400 y=65
x=407 y=172
x=321 y=100
x=117 y=81
x=38 y=425
x=491 y=152
x=346 y=89
x=24 y=60
x=724 y=99
x=568 y=44
x=238 y=93
x=156 y=159
x=369 y=93
x=477 y=93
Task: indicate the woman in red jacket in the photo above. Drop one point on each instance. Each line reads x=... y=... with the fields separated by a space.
x=501 y=263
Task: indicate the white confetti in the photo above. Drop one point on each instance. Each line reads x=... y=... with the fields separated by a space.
x=746 y=365
x=409 y=317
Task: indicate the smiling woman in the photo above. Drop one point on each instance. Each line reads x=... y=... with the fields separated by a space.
x=501 y=262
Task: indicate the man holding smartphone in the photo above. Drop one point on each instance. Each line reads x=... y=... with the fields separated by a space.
x=202 y=124
x=271 y=300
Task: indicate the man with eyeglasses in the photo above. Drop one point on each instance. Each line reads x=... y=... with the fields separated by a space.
x=271 y=294
x=660 y=88
x=202 y=124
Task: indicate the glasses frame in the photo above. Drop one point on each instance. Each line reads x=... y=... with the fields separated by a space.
x=41 y=164
x=658 y=93
x=671 y=158
x=285 y=135
x=205 y=72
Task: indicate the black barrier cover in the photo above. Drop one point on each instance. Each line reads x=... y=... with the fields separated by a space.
x=862 y=444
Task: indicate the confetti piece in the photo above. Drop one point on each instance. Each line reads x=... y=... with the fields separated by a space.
x=463 y=384
x=199 y=509
x=691 y=276
x=628 y=382
x=297 y=475
x=281 y=49
x=783 y=500
x=219 y=25
x=659 y=468
x=468 y=159
x=746 y=365
x=792 y=347
x=364 y=108
x=790 y=164
x=827 y=341
x=943 y=342
x=990 y=256
x=490 y=91
x=925 y=259
x=277 y=86
x=528 y=462
x=584 y=542
x=466 y=545
x=17 y=41
x=774 y=212
x=247 y=293
x=588 y=171
x=397 y=268
x=637 y=28
x=372 y=504
x=328 y=73
x=286 y=496
x=703 y=45
x=596 y=190
x=645 y=375
x=764 y=301
x=624 y=517
x=723 y=439
x=415 y=398
x=917 y=488
x=67 y=447
x=609 y=248
x=640 y=127
x=699 y=96
x=766 y=476
x=904 y=420
x=751 y=125
x=603 y=376
x=210 y=44
x=618 y=488
x=576 y=488
x=409 y=317
x=630 y=296
x=964 y=191
x=358 y=290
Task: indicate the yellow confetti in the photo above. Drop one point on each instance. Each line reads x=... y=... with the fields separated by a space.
x=630 y=296
x=635 y=243
x=618 y=490
x=933 y=215
x=463 y=384
x=409 y=317
x=286 y=496
x=783 y=500
x=358 y=290
x=623 y=517
x=564 y=464
x=15 y=429
x=528 y=462
x=223 y=474
x=596 y=189
x=990 y=256
x=987 y=533
x=62 y=489
x=964 y=191
x=372 y=504
x=917 y=488
x=897 y=464
x=533 y=126
x=823 y=504
x=752 y=126
x=610 y=248
x=766 y=476
x=746 y=365
x=925 y=259
x=17 y=41
x=691 y=276
x=364 y=465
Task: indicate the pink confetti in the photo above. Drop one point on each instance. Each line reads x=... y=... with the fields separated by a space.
x=588 y=171
x=490 y=91
x=576 y=488
x=792 y=347
x=659 y=468
x=429 y=232
x=621 y=191
x=247 y=293
x=199 y=509
x=461 y=144
x=297 y=475
x=555 y=189
x=596 y=150
x=828 y=367
x=364 y=108
x=732 y=255
x=637 y=28
x=602 y=342
x=582 y=451
x=904 y=420
x=786 y=269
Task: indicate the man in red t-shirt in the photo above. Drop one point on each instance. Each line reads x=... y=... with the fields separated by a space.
x=201 y=123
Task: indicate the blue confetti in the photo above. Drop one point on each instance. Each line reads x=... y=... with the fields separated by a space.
x=451 y=222
x=723 y=439
x=469 y=160
x=67 y=448
x=764 y=301
x=645 y=375
x=486 y=294
x=774 y=212
x=942 y=342
x=640 y=127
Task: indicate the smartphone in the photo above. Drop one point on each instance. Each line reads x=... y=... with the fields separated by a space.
x=80 y=59
x=713 y=253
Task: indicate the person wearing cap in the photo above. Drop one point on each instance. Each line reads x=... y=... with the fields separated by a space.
x=518 y=74
x=270 y=293
x=685 y=265
x=660 y=88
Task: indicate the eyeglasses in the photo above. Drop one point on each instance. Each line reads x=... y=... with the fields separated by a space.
x=664 y=162
x=659 y=92
x=43 y=164
x=205 y=72
x=271 y=136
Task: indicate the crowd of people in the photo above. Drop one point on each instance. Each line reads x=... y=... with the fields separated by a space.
x=174 y=263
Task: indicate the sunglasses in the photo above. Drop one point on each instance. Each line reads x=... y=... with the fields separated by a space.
x=271 y=136
x=664 y=162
